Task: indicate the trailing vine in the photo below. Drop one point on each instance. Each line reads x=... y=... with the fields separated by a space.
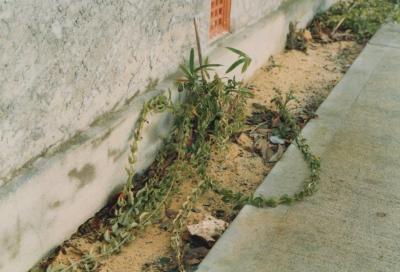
x=212 y=112
x=131 y=211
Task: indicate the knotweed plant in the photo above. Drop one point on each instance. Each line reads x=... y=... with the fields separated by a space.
x=211 y=112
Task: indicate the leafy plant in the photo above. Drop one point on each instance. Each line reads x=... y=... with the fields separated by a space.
x=212 y=111
x=362 y=17
x=211 y=114
x=288 y=121
x=295 y=39
x=286 y=129
x=243 y=59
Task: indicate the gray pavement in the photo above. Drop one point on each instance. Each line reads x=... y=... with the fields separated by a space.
x=353 y=222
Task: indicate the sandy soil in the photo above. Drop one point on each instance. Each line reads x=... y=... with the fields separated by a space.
x=311 y=77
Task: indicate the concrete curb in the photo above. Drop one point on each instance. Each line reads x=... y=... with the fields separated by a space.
x=252 y=241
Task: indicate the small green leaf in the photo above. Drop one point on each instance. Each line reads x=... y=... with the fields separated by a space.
x=246 y=64
x=114 y=228
x=206 y=66
x=237 y=51
x=235 y=64
x=191 y=61
x=186 y=71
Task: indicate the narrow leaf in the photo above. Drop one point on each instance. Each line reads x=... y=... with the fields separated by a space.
x=237 y=51
x=191 y=61
x=246 y=65
x=206 y=66
x=235 y=64
x=186 y=71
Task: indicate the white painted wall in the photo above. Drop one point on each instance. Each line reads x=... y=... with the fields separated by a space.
x=65 y=63
x=245 y=12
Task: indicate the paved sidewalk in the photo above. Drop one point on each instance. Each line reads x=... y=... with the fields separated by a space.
x=353 y=222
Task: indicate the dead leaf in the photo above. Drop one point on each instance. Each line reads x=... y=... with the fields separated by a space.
x=307 y=36
x=170 y=213
x=342 y=36
x=278 y=155
x=245 y=141
x=324 y=38
x=320 y=34
x=295 y=38
x=276 y=121
x=263 y=131
x=195 y=255
x=264 y=149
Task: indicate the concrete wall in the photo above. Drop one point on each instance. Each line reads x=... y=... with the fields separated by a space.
x=77 y=60
x=73 y=77
x=247 y=12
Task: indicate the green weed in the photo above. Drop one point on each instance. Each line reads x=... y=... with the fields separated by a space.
x=211 y=113
x=362 y=17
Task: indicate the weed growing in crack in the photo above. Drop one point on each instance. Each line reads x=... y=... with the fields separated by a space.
x=345 y=20
x=292 y=131
x=212 y=111
x=362 y=17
